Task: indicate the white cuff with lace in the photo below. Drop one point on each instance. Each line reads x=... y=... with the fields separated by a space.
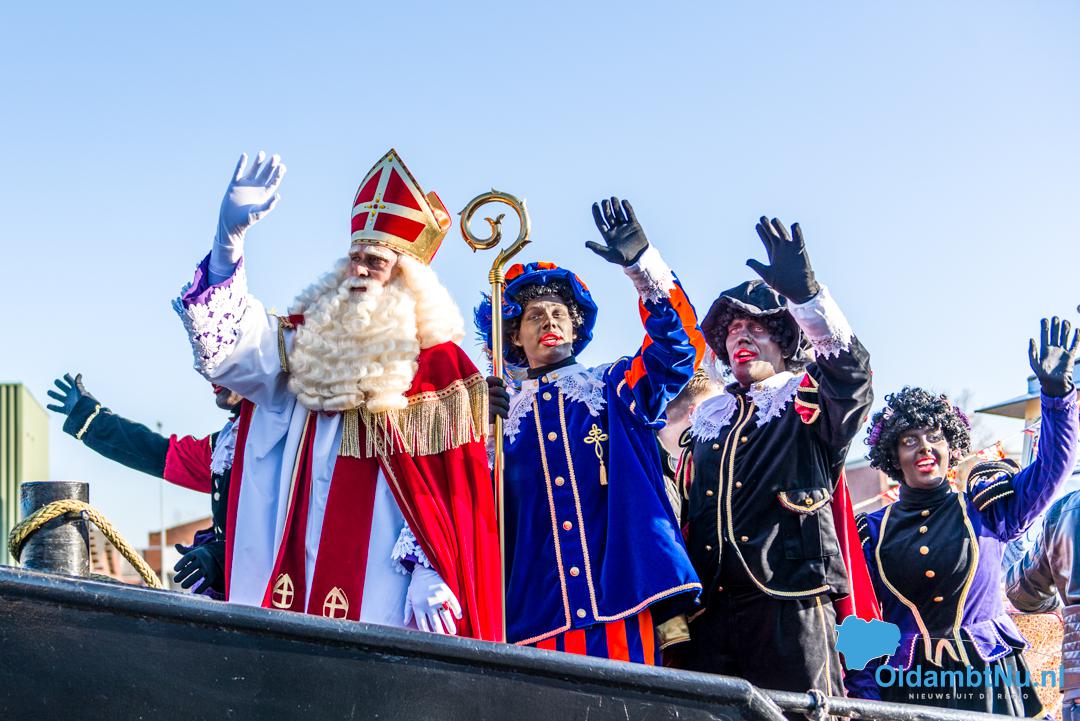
x=651 y=276
x=408 y=548
x=823 y=323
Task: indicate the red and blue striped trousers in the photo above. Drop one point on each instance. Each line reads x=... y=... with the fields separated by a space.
x=629 y=639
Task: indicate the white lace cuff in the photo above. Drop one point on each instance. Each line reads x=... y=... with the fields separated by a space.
x=212 y=320
x=824 y=324
x=408 y=548
x=651 y=275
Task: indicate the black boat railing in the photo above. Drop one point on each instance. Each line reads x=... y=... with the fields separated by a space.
x=85 y=649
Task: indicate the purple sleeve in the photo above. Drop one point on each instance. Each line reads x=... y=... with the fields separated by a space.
x=212 y=315
x=199 y=290
x=1009 y=506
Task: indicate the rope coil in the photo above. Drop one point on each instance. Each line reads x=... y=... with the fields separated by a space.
x=29 y=525
x=819 y=706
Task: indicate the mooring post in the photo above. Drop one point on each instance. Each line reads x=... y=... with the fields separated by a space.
x=63 y=544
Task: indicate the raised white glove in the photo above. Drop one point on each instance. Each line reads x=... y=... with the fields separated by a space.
x=252 y=193
x=432 y=602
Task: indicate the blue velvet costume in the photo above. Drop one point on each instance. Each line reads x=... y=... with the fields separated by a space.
x=590 y=535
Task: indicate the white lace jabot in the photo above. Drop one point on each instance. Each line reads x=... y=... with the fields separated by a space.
x=770 y=396
x=576 y=382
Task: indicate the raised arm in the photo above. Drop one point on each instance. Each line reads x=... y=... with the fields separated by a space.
x=837 y=391
x=1010 y=504
x=184 y=461
x=673 y=343
x=234 y=341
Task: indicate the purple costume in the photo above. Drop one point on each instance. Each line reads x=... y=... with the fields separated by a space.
x=935 y=560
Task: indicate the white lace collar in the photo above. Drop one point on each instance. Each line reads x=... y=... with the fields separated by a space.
x=225 y=448
x=576 y=382
x=770 y=396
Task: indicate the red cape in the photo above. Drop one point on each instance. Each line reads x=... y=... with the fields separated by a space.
x=444 y=492
x=448 y=500
x=861 y=601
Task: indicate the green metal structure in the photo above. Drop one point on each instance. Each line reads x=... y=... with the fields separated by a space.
x=24 y=452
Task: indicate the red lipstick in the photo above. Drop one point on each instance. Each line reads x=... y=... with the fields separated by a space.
x=744 y=355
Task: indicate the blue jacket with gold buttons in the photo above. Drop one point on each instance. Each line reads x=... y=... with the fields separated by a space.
x=590 y=535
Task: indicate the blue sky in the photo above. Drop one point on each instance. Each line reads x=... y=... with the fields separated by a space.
x=928 y=149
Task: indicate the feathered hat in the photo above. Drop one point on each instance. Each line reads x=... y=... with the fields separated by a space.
x=520 y=276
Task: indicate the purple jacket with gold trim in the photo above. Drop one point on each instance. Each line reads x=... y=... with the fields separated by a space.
x=935 y=555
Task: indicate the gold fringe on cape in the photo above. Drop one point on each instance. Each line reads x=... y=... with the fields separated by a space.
x=432 y=422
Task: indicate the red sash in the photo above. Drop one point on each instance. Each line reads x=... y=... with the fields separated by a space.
x=288 y=581
x=337 y=588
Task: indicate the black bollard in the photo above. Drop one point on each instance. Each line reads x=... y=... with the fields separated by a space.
x=63 y=544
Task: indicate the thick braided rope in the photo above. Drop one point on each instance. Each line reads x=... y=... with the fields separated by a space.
x=48 y=512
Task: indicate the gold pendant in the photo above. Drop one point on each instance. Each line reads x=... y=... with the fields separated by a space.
x=596 y=437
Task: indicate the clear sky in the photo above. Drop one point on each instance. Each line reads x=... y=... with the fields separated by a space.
x=929 y=150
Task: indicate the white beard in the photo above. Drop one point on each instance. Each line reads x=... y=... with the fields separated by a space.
x=355 y=349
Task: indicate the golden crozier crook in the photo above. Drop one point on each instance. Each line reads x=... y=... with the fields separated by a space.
x=498 y=282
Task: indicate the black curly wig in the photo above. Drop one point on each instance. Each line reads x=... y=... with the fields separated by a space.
x=781 y=327
x=526 y=295
x=915 y=408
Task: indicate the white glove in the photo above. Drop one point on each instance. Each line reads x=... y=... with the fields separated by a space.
x=251 y=195
x=432 y=602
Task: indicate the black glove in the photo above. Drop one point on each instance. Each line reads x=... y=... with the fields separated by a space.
x=207 y=562
x=625 y=239
x=1053 y=360
x=71 y=390
x=498 y=399
x=789 y=272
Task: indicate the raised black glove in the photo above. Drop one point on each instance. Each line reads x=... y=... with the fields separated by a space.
x=71 y=390
x=206 y=563
x=1053 y=360
x=624 y=238
x=498 y=399
x=789 y=272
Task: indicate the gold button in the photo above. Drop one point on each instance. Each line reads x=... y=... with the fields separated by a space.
x=925 y=513
x=566 y=525
x=574 y=570
x=938 y=599
x=708 y=547
x=559 y=480
x=552 y=436
x=709 y=492
x=924 y=550
x=543 y=379
x=553 y=376
x=809 y=501
x=716 y=446
x=581 y=613
x=744 y=439
x=547 y=396
x=738 y=484
x=923 y=529
x=744 y=539
x=930 y=574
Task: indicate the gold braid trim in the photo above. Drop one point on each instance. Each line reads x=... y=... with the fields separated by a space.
x=89 y=420
x=431 y=423
x=283 y=324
